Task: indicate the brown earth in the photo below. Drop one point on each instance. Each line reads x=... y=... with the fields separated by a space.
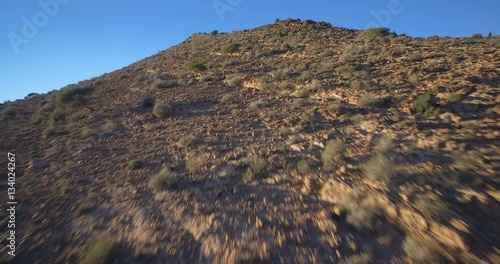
x=252 y=178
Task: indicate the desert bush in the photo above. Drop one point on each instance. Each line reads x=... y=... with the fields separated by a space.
x=257 y=167
x=334 y=153
x=477 y=36
x=88 y=132
x=76 y=116
x=73 y=93
x=470 y=124
x=134 y=165
x=188 y=140
x=304 y=166
x=214 y=32
x=414 y=78
x=234 y=82
x=379 y=167
x=385 y=145
x=361 y=258
x=8 y=112
x=301 y=93
x=206 y=78
x=419 y=252
x=196 y=66
x=163 y=110
x=426 y=104
x=305 y=75
x=196 y=163
x=453 y=97
x=432 y=207
x=164 y=179
x=49 y=131
x=334 y=108
x=109 y=126
x=229 y=48
x=359 y=85
x=161 y=84
x=369 y=100
x=256 y=104
x=101 y=252
x=266 y=86
x=360 y=208
x=375 y=34
x=84 y=208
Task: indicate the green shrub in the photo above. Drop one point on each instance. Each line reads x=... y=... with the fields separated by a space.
x=361 y=258
x=49 y=131
x=164 y=84
x=334 y=108
x=214 y=32
x=257 y=167
x=379 y=167
x=196 y=66
x=304 y=166
x=166 y=178
x=229 y=48
x=369 y=100
x=477 y=36
x=433 y=208
x=101 y=252
x=196 y=163
x=163 y=110
x=76 y=116
x=426 y=104
x=188 y=140
x=134 y=165
x=73 y=93
x=372 y=34
x=8 y=112
x=333 y=154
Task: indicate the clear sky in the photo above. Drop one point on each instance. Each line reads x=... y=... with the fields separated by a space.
x=47 y=44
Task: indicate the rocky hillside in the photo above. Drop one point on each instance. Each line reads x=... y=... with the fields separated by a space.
x=295 y=142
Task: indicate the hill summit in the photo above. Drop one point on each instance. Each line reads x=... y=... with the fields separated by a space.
x=294 y=142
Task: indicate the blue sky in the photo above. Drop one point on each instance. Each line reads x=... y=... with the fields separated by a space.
x=47 y=46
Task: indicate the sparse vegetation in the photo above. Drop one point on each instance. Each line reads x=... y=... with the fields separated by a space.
x=334 y=108
x=419 y=252
x=73 y=93
x=8 y=112
x=257 y=168
x=426 y=104
x=379 y=167
x=230 y=48
x=196 y=66
x=361 y=258
x=375 y=34
x=334 y=153
x=369 y=100
x=100 y=252
x=134 y=164
x=164 y=179
x=196 y=163
x=188 y=140
x=304 y=166
x=361 y=209
x=432 y=207
x=163 y=110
